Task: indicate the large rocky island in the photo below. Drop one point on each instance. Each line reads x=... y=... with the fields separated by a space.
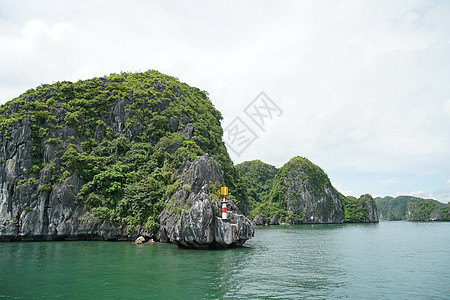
x=300 y=192
x=116 y=157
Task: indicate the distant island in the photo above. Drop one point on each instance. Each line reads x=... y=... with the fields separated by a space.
x=300 y=193
x=412 y=209
x=141 y=154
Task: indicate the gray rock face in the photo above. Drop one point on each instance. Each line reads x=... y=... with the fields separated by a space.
x=371 y=209
x=307 y=203
x=419 y=209
x=140 y=240
x=274 y=220
x=38 y=192
x=191 y=218
x=325 y=208
x=34 y=208
x=258 y=220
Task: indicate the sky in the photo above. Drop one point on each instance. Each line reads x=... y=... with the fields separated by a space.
x=360 y=88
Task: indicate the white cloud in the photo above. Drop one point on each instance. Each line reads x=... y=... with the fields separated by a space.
x=446 y=108
x=420 y=194
x=390 y=181
x=35 y=56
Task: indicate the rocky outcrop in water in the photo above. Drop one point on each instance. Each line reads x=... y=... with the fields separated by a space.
x=274 y=220
x=419 y=209
x=258 y=220
x=48 y=210
x=362 y=210
x=95 y=159
x=298 y=193
x=191 y=218
x=392 y=209
x=306 y=193
x=370 y=208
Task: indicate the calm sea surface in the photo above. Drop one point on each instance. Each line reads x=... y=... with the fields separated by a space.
x=389 y=260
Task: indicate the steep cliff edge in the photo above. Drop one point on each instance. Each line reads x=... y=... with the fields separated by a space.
x=301 y=193
x=392 y=209
x=95 y=159
x=419 y=209
x=191 y=217
x=257 y=177
x=362 y=210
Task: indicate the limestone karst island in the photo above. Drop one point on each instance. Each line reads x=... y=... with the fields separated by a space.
x=141 y=155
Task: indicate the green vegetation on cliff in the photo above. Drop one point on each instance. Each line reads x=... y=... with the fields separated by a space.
x=300 y=168
x=296 y=177
x=392 y=209
x=125 y=135
x=412 y=208
x=359 y=210
x=427 y=210
x=258 y=179
x=296 y=190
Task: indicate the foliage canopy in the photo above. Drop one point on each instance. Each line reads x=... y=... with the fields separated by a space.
x=125 y=135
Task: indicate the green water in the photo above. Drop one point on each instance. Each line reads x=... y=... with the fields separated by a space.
x=389 y=260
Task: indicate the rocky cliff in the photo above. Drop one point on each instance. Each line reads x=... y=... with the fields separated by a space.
x=419 y=209
x=258 y=180
x=392 y=209
x=362 y=210
x=96 y=159
x=35 y=206
x=191 y=217
x=309 y=195
x=301 y=193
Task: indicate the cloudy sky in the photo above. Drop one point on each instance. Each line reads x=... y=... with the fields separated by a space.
x=361 y=88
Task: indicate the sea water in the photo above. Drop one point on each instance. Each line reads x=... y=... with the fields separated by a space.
x=389 y=260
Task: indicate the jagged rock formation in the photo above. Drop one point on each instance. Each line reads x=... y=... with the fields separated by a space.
x=258 y=220
x=28 y=212
x=412 y=209
x=392 y=209
x=191 y=218
x=300 y=192
x=95 y=159
x=274 y=220
x=140 y=240
x=362 y=210
x=258 y=179
x=306 y=193
x=371 y=208
x=419 y=209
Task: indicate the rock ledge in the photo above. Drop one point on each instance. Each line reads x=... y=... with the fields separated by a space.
x=191 y=218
